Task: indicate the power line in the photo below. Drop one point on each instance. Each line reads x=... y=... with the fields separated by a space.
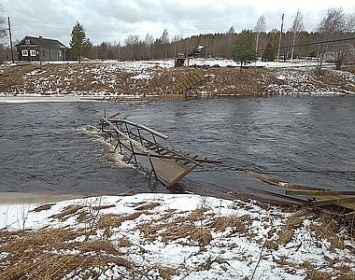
x=325 y=42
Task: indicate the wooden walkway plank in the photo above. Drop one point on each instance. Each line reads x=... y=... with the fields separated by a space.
x=318 y=196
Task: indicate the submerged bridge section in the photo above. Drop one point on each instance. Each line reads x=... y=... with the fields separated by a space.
x=150 y=149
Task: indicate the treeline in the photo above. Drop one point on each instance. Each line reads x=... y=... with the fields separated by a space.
x=217 y=45
x=333 y=39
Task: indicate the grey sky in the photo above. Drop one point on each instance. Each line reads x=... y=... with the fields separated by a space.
x=115 y=20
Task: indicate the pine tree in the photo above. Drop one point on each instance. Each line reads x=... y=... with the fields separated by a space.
x=79 y=44
x=244 y=50
x=269 y=53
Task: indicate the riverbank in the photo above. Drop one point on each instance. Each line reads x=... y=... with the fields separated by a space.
x=160 y=78
x=172 y=236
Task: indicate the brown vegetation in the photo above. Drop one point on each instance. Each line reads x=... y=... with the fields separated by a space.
x=91 y=78
x=54 y=253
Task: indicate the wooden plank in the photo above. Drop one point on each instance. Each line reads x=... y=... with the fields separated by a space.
x=319 y=196
x=279 y=183
x=167 y=170
x=291 y=199
x=347 y=202
x=291 y=191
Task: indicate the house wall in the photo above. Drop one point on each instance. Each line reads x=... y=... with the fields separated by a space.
x=46 y=54
x=27 y=54
x=53 y=55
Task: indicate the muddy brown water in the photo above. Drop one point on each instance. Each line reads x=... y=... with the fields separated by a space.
x=53 y=148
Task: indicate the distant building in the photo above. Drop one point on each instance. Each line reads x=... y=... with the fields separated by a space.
x=198 y=51
x=39 y=48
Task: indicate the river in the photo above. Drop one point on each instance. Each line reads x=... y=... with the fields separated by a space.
x=53 y=147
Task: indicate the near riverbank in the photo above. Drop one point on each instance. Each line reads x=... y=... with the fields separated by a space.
x=172 y=236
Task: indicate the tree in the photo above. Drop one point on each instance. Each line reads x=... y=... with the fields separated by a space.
x=269 y=53
x=332 y=23
x=3 y=27
x=79 y=44
x=133 y=47
x=148 y=41
x=244 y=50
x=3 y=34
x=336 y=25
x=296 y=29
x=132 y=40
x=165 y=41
x=165 y=37
x=259 y=28
x=230 y=34
x=229 y=39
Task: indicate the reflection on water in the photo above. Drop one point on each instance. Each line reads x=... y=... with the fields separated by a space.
x=46 y=147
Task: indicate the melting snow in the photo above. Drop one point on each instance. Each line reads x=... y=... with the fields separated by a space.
x=195 y=237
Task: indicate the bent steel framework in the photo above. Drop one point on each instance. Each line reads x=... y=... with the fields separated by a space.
x=149 y=148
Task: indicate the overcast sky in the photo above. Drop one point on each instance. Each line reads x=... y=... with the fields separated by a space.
x=114 y=20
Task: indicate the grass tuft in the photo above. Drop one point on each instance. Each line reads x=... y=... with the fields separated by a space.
x=69 y=211
x=42 y=207
x=148 y=206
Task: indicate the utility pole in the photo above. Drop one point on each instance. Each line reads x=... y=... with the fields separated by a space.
x=10 y=36
x=278 y=50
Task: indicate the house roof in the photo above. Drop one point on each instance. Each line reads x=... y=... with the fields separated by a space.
x=42 y=42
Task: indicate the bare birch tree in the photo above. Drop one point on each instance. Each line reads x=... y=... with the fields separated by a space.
x=3 y=34
x=297 y=27
x=3 y=26
x=259 y=28
x=229 y=41
x=335 y=26
x=332 y=23
x=148 y=41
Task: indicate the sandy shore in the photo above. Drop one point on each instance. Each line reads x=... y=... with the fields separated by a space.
x=31 y=198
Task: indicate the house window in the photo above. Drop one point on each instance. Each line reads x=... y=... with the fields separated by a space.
x=43 y=53
x=24 y=52
x=33 y=53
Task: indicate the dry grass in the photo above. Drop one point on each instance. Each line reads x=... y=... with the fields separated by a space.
x=124 y=242
x=285 y=236
x=68 y=212
x=111 y=220
x=56 y=253
x=147 y=206
x=97 y=246
x=181 y=227
x=54 y=266
x=238 y=224
x=222 y=81
x=166 y=272
x=297 y=218
x=287 y=232
x=151 y=231
x=327 y=227
x=202 y=236
x=43 y=207
x=46 y=254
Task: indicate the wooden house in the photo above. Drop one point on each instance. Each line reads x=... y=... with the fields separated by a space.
x=41 y=49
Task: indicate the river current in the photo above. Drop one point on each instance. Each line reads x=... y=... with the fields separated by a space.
x=53 y=147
